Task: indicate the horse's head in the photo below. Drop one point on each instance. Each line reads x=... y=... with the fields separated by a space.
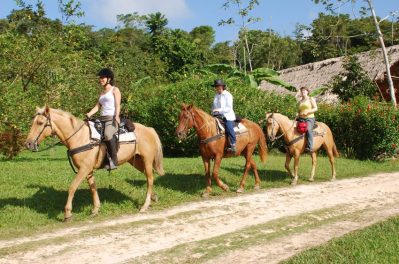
x=272 y=126
x=42 y=127
x=186 y=121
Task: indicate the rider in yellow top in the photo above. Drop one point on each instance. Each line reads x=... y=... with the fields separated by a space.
x=306 y=108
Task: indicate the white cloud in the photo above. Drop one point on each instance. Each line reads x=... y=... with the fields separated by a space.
x=107 y=10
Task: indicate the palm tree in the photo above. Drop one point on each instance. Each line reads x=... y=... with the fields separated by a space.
x=156 y=23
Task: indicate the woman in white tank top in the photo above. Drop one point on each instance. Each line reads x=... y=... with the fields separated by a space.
x=109 y=103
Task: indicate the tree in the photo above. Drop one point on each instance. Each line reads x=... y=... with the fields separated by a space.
x=203 y=36
x=329 y=4
x=353 y=81
x=246 y=20
x=156 y=23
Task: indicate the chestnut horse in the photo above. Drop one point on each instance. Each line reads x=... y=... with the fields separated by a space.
x=214 y=147
x=295 y=143
x=145 y=154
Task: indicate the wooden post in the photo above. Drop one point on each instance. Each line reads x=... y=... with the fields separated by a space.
x=384 y=51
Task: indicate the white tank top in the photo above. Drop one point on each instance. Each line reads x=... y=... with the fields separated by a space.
x=107 y=102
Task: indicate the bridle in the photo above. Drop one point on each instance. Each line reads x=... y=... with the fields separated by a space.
x=195 y=124
x=274 y=138
x=49 y=124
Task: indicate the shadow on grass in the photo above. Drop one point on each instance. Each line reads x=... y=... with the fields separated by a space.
x=34 y=159
x=51 y=202
x=185 y=183
x=264 y=175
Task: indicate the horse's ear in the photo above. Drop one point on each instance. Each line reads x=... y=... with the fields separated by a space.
x=183 y=106
x=189 y=107
x=46 y=110
x=37 y=109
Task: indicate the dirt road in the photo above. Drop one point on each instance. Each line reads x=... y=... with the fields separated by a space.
x=263 y=227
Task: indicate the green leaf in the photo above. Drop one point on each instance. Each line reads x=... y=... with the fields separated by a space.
x=318 y=91
x=279 y=82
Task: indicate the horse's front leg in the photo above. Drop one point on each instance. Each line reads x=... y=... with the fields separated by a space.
x=82 y=173
x=208 y=188
x=215 y=174
x=94 y=194
x=288 y=158
x=314 y=163
x=296 y=167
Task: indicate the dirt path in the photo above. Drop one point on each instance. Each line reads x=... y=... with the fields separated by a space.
x=267 y=226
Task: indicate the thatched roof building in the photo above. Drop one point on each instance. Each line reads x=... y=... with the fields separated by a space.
x=318 y=74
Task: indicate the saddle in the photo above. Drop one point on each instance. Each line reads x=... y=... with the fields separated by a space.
x=125 y=132
x=239 y=128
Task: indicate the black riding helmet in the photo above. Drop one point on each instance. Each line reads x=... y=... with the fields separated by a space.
x=107 y=72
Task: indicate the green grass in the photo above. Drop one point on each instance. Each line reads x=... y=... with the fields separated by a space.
x=34 y=186
x=376 y=244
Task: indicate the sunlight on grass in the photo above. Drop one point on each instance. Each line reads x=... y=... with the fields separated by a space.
x=34 y=186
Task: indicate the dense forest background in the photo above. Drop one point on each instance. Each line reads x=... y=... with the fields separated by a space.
x=43 y=60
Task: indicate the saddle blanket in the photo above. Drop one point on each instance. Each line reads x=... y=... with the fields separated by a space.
x=238 y=128
x=124 y=137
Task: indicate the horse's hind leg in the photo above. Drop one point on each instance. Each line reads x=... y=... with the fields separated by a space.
x=140 y=165
x=257 y=179
x=94 y=194
x=150 y=182
x=71 y=192
x=244 y=176
x=314 y=163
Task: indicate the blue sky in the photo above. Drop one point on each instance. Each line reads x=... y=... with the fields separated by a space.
x=280 y=15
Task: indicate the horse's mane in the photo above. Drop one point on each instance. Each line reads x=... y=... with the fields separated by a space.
x=73 y=119
x=202 y=113
x=282 y=116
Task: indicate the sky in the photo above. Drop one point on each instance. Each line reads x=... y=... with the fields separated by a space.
x=280 y=15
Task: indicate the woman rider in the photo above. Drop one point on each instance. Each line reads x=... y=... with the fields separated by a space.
x=109 y=102
x=306 y=108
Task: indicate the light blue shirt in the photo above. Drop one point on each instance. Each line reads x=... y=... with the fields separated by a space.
x=224 y=102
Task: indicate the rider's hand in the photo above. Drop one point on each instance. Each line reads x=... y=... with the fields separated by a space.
x=118 y=119
x=87 y=116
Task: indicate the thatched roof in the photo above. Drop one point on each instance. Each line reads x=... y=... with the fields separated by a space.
x=318 y=74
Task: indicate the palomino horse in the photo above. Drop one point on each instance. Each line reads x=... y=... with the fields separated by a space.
x=212 y=147
x=295 y=143
x=74 y=133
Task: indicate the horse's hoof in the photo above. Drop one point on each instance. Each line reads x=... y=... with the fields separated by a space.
x=311 y=180
x=205 y=195
x=143 y=209
x=257 y=187
x=154 y=198
x=225 y=188
x=68 y=219
x=240 y=190
x=333 y=179
x=293 y=183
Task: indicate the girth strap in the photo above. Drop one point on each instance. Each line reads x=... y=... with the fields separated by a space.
x=82 y=148
x=295 y=140
x=210 y=139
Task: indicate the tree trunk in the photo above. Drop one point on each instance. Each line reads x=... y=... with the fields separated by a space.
x=248 y=51
x=384 y=51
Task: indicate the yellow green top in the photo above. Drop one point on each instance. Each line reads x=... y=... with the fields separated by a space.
x=305 y=105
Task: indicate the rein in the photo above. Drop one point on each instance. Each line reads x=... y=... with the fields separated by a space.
x=48 y=123
x=186 y=126
x=280 y=136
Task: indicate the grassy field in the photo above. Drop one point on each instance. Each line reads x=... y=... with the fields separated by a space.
x=376 y=244
x=34 y=186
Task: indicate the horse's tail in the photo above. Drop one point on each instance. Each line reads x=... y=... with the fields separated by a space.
x=334 y=146
x=335 y=150
x=262 y=145
x=158 y=161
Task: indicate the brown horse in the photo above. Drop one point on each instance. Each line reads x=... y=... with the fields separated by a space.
x=145 y=155
x=295 y=143
x=213 y=147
